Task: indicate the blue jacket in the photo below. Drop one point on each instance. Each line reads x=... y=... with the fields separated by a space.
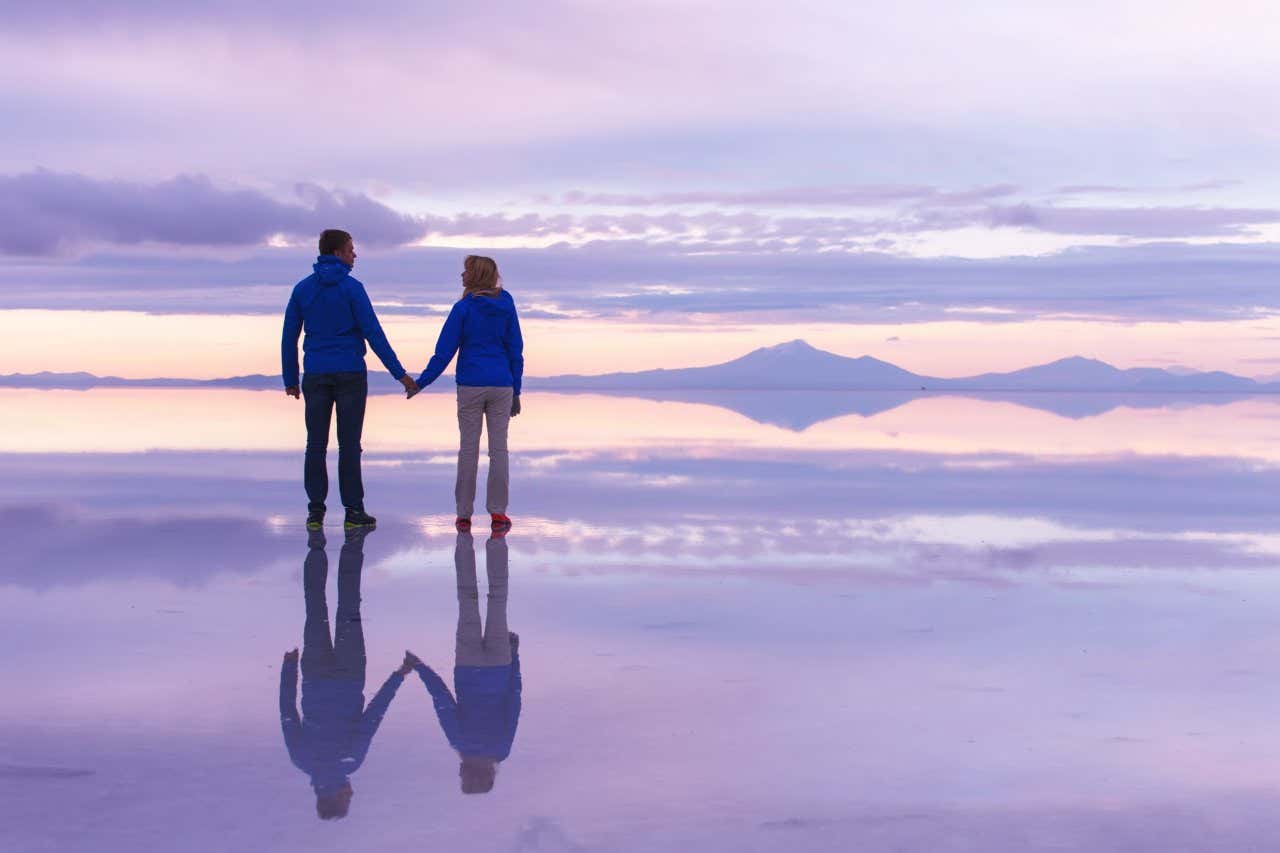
x=487 y=331
x=338 y=318
x=331 y=737
x=483 y=720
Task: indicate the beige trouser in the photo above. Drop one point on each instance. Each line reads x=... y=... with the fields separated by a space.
x=494 y=404
x=489 y=645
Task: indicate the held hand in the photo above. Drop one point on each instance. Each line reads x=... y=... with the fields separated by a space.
x=293 y=392
x=410 y=386
x=410 y=661
x=515 y=405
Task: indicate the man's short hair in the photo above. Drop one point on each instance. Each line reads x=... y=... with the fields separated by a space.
x=333 y=239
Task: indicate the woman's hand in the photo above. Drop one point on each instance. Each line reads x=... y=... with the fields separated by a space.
x=515 y=405
x=410 y=661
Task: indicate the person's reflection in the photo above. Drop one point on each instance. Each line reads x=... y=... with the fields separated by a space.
x=330 y=739
x=481 y=724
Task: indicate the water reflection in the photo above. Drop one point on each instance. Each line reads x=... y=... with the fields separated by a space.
x=480 y=723
x=331 y=737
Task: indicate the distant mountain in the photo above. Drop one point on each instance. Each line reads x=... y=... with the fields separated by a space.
x=1087 y=374
x=795 y=385
x=791 y=366
x=378 y=384
x=797 y=366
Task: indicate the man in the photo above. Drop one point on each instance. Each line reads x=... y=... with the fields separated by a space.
x=335 y=311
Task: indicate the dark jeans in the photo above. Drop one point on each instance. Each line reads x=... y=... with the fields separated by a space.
x=322 y=391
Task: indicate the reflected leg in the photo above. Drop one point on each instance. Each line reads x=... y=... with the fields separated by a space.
x=497 y=642
x=348 y=638
x=469 y=645
x=317 y=392
x=317 y=647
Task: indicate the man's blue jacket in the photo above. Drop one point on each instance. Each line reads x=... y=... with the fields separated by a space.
x=330 y=739
x=338 y=317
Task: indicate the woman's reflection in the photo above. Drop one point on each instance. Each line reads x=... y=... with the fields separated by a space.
x=481 y=723
x=330 y=739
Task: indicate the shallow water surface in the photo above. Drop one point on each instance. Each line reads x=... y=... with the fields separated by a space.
x=954 y=625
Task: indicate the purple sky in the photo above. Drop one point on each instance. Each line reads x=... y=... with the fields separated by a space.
x=729 y=150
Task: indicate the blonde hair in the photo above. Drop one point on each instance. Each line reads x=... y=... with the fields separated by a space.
x=480 y=275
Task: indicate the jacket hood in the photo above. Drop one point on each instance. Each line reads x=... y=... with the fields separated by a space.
x=492 y=304
x=330 y=270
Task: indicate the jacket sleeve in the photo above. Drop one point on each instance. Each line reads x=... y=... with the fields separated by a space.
x=374 y=713
x=289 y=342
x=514 y=343
x=372 y=329
x=514 y=688
x=446 y=346
x=442 y=699
x=290 y=721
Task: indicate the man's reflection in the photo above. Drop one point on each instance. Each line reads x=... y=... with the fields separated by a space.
x=481 y=723
x=331 y=738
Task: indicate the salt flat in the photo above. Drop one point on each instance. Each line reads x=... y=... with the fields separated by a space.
x=955 y=625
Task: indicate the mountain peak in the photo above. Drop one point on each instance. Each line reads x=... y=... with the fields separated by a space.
x=796 y=346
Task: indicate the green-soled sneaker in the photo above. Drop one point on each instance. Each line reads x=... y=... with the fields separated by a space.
x=357 y=518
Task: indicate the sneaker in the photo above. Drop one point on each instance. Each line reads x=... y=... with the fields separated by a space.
x=500 y=521
x=462 y=523
x=358 y=518
x=315 y=540
x=315 y=520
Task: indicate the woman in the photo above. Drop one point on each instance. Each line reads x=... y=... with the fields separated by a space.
x=484 y=326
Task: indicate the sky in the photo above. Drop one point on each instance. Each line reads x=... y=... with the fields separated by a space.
x=662 y=183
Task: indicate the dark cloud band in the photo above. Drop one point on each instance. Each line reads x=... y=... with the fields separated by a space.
x=54 y=213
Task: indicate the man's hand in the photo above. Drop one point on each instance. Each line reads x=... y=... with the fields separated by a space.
x=410 y=661
x=293 y=391
x=291 y=657
x=515 y=405
x=410 y=386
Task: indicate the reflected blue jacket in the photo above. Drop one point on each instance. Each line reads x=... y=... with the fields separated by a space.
x=331 y=740
x=483 y=720
x=338 y=317
x=487 y=331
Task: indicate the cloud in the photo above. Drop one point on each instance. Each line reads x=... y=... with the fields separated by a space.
x=760 y=230
x=878 y=96
x=846 y=196
x=637 y=278
x=1142 y=222
x=54 y=213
